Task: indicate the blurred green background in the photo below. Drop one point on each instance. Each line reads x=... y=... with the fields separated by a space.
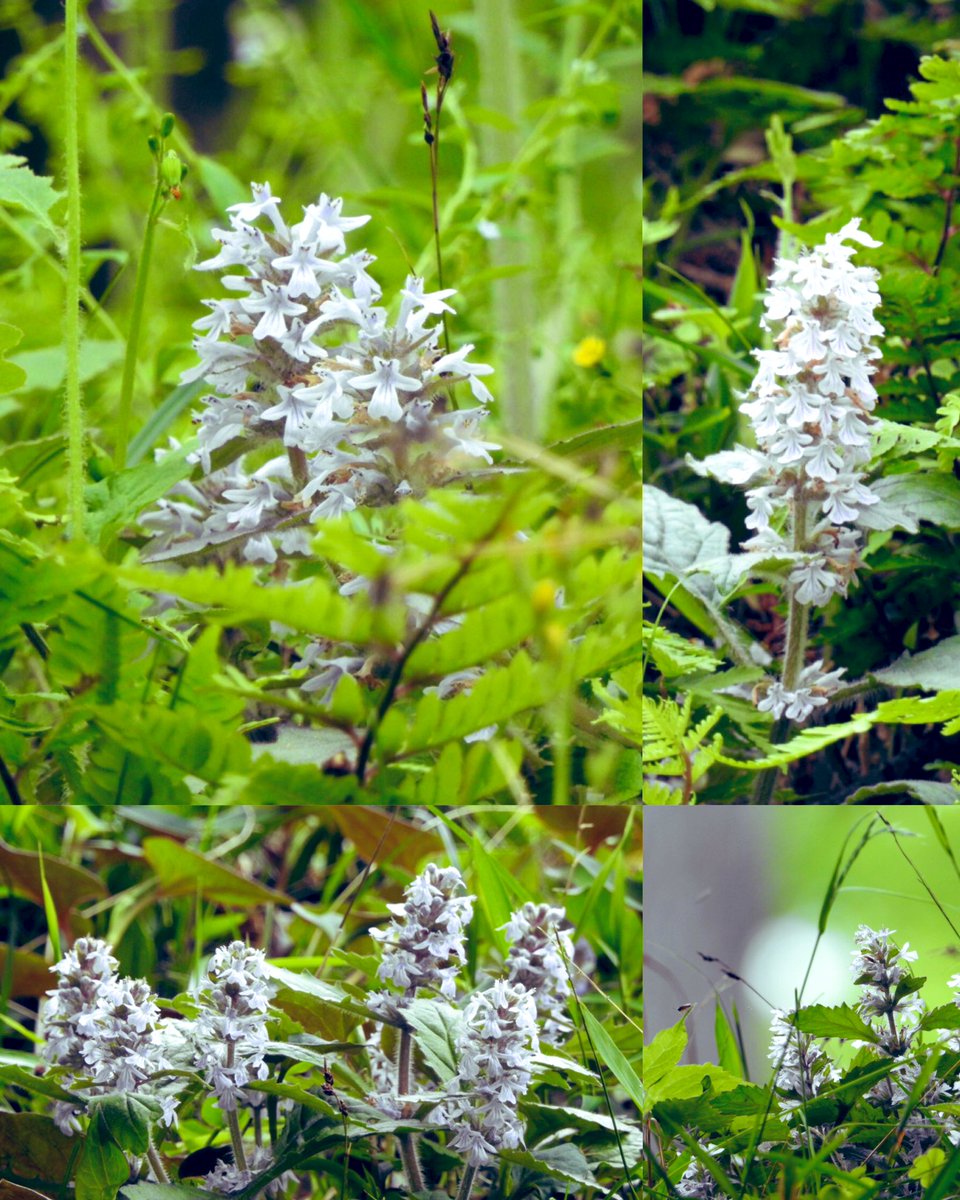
x=747 y=885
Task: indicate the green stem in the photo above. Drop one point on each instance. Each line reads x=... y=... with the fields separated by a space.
x=71 y=323
x=466 y=1183
x=158 y=1168
x=136 y=325
x=233 y=1122
x=794 y=655
x=408 y=1143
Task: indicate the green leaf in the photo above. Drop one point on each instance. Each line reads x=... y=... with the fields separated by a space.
x=12 y=376
x=162 y=418
x=743 y=292
x=33 y=1151
x=20 y=188
x=438 y=1026
x=181 y=871
x=103 y=1166
x=187 y=742
x=116 y=500
x=728 y=1052
x=49 y=910
x=946 y=1016
x=318 y=1007
x=809 y=741
x=934 y=670
x=840 y=1021
x=314 y=606
x=46 y=367
x=614 y=1059
x=565 y=1162
x=127 y=1118
x=664 y=1052
x=907 y=499
x=22 y=1077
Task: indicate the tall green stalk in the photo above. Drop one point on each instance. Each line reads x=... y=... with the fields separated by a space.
x=136 y=325
x=794 y=654
x=76 y=511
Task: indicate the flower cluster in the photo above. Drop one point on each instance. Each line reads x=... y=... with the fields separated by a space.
x=810 y=404
x=104 y=1029
x=801 y=1066
x=496 y=1049
x=424 y=942
x=881 y=969
x=300 y=354
x=874 y=1117
x=231 y=1029
x=538 y=960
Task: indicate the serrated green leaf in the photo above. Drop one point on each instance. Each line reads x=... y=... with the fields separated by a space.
x=840 y=1021
x=934 y=670
x=20 y=188
x=438 y=1026
x=116 y=500
x=565 y=1162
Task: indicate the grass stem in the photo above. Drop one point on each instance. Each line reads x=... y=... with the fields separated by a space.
x=136 y=326
x=76 y=509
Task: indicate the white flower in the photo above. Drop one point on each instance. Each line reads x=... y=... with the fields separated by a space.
x=231 y=1031
x=496 y=1048
x=425 y=946
x=538 y=961
x=275 y=304
x=455 y=364
x=386 y=379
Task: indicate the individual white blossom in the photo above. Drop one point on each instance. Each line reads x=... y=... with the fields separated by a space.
x=424 y=944
x=539 y=958
x=496 y=1048
x=231 y=1029
x=814 y=686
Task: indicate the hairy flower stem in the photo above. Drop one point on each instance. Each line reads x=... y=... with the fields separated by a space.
x=71 y=324
x=233 y=1122
x=136 y=324
x=466 y=1183
x=408 y=1143
x=794 y=654
x=158 y=1168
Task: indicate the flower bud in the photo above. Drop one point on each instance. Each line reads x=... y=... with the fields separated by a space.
x=171 y=169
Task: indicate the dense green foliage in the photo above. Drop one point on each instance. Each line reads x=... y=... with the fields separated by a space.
x=109 y=695
x=165 y=887
x=778 y=170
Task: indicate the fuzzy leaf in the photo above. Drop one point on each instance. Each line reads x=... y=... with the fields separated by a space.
x=115 y=501
x=565 y=1162
x=438 y=1026
x=934 y=670
x=20 y=188
x=907 y=499
x=840 y=1021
